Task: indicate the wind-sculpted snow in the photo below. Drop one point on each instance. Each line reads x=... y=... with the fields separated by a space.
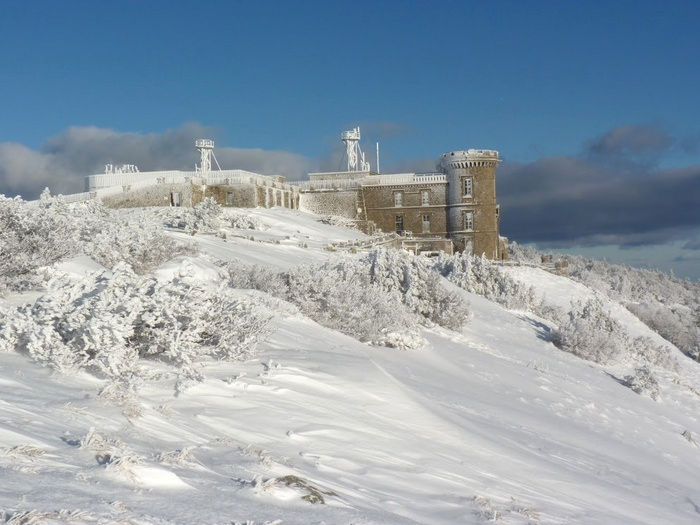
x=667 y=304
x=584 y=328
x=282 y=414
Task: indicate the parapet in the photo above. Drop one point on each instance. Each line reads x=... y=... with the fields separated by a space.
x=469 y=158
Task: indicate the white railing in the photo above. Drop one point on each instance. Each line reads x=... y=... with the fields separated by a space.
x=79 y=197
x=329 y=175
x=107 y=180
x=406 y=178
x=111 y=180
x=333 y=184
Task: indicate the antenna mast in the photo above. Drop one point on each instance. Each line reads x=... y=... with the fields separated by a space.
x=377 y=156
x=356 y=158
x=206 y=151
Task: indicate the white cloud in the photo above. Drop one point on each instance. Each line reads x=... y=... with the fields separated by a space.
x=64 y=160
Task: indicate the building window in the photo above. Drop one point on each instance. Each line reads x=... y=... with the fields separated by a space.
x=468 y=220
x=175 y=198
x=468 y=182
x=229 y=198
x=398 y=199
x=425 y=198
x=426 y=223
x=399 y=224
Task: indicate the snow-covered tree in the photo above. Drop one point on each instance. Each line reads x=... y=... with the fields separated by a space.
x=140 y=243
x=480 y=276
x=204 y=217
x=32 y=236
x=643 y=382
x=588 y=331
x=108 y=321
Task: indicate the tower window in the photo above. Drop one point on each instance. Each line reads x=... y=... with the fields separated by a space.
x=425 y=197
x=229 y=198
x=399 y=224
x=467 y=183
x=398 y=199
x=468 y=220
x=175 y=198
x=426 y=223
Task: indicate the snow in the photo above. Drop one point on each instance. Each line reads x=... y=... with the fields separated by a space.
x=560 y=291
x=490 y=424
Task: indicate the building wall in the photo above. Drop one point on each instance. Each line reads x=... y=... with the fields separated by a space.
x=343 y=203
x=483 y=238
x=381 y=209
x=156 y=195
x=244 y=195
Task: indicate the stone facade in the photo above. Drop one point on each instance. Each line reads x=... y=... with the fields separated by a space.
x=250 y=193
x=415 y=208
x=331 y=202
x=155 y=195
x=455 y=207
x=472 y=211
x=458 y=204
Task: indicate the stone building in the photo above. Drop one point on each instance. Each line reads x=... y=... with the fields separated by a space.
x=458 y=203
x=229 y=188
x=454 y=208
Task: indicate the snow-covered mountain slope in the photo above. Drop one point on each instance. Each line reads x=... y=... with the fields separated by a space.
x=492 y=423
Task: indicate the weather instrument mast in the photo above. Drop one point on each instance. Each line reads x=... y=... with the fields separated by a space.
x=355 y=155
x=206 y=152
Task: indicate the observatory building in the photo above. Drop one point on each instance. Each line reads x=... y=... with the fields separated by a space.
x=455 y=206
x=127 y=187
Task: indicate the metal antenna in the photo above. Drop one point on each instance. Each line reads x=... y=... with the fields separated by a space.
x=377 y=156
x=206 y=148
x=215 y=160
x=356 y=159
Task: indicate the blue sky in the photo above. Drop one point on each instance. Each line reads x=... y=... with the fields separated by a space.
x=605 y=90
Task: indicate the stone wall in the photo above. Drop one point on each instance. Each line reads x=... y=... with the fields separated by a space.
x=483 y=238
x=156 y=195
x=244 y=195
x=342 y=203
x=381 y=209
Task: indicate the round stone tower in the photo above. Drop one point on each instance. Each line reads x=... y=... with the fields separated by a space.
x=472 y=211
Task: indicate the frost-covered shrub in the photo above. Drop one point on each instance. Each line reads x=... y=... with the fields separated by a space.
x=80 y=324
x=107 y=322
x=677 y=324
x=184 y=320
x=589 y=332
x=354 y=307
x=524 y=254
x=419 y=286
x=480 y=276
x=627 y=284
x=338 y=220
x=239 y=220
x=141 y=244
x=668 y=305
x=401 y=279
x=258 y=278
x=644 y=350
x=31 y=236
x=204 y=217
x=643 y=382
